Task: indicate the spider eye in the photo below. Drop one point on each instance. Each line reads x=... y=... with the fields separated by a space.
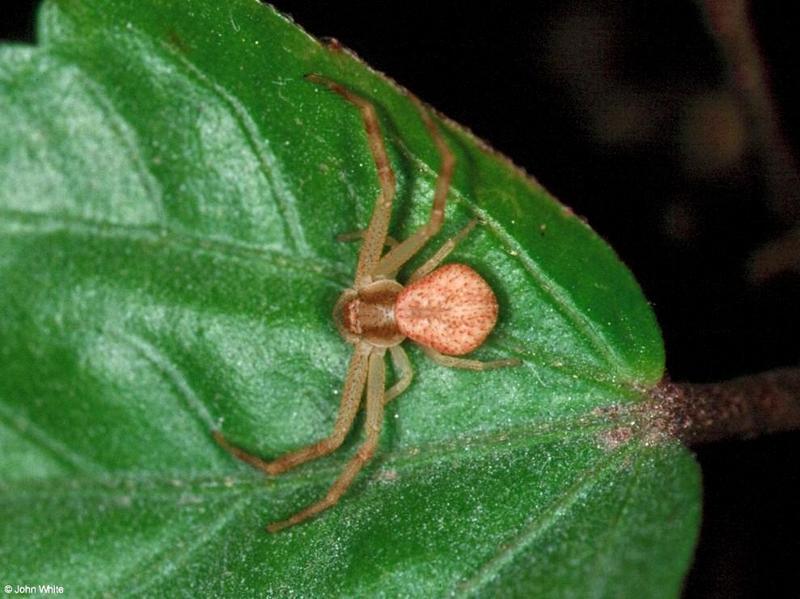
x=350 y=316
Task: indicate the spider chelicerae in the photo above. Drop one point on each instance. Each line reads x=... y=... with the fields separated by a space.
x=447 y=310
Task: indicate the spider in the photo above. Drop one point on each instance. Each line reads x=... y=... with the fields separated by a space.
x=448 y=311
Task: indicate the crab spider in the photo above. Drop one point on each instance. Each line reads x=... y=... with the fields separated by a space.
x=447 y=310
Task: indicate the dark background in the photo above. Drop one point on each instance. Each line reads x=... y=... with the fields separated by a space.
x=623 y=110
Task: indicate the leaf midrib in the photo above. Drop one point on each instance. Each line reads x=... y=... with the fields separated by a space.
x=575 y=429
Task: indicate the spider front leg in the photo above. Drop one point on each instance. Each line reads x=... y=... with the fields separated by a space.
x=376 y=380
x=351 y=398
x=401 y=254
x=389 y=242
x=376 y=232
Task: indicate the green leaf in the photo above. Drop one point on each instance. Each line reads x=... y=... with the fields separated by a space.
x=171 y=191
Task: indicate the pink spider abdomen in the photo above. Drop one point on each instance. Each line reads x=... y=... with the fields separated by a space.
x=451 y=310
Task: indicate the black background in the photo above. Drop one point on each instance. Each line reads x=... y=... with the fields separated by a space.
x=599 y=101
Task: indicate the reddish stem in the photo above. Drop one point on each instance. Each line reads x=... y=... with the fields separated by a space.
x=740 y=408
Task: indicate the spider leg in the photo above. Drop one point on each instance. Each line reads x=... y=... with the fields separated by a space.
x=442 y=252
x=376 y=381
x=375 y=236
x=351 y=398
x=398 y=256
x=467 y=363
x=389 y=242
x=404 y=372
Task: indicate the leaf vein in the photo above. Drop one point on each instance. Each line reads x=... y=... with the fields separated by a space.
x=559 y=297
x=286 y=200
x=612 y=532
x=33 y=433
x=539 y=525
x=173 y=375
x=119 y=127
x=177 y=554
x=16 y=222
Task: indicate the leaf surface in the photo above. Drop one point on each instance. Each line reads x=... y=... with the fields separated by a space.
x=171 y=191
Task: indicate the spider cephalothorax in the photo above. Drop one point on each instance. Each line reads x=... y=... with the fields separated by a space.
x=369 y=314
x=447 y=310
